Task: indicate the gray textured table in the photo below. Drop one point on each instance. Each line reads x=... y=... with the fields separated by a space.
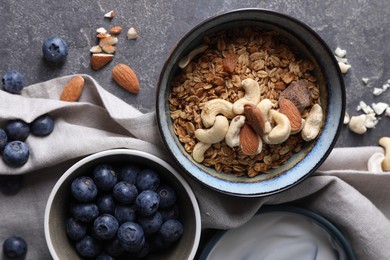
x=360 y=27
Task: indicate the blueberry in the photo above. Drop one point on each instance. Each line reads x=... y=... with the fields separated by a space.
x=75 y=229
x=151 y=224
x=171 y=230
x=83 y=189
x=16 y=153
x=125 y=192
x=88 y=247
x=157 y=243
x=13 y=82
x=105 y=177
x=55 y=49
x=129 y=172
x=170 y=213
x=3 y=139
x=113 y=247
x=17 y=130
x=86 y=212
x=125 y=213
x=147 y=202
x=15 y=247
x=145 y=250
x=105 y=226
x=148 y=179
x=42 y=125
x=131 y=236
x=167 y=196
x=11 y=184
x=105 y=203
x=104 y=257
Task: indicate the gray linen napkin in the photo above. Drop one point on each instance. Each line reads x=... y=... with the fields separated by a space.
x=341 y=190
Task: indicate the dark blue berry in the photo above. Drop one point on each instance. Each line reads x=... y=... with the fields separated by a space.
x=105 y=177
x=104 y=257
x=3 y=139
x=157 y=243
x=105 y=203
x=125 y=192
x=114 y=247
x=148 y=179
x=17 y=130
x=88 y=247
x=147 y=202
x=131 y=236
x=13 y=82
x=42 y=125
x=125 y=213
x=55 y=49
x=171 y=230
x=145 y=250
x=167 y=196
x=129 y=172
x=105 y=226
x=11 y=183
x=15 y=247
x=170 y=213
x=151 y=224
x=16 y=153
x=83 y=189
x=86 y=212
x=75 y=229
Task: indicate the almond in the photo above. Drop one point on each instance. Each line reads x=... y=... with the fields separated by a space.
x=254 y=118
x=115 y=30
x=288 y=108
x=126 y=78
x=99 y=60
x=249 y=140
x=73 y=89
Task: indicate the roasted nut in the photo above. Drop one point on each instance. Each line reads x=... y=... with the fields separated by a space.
x=199 y=150
x=357 y=124
x=252 y=95
x=254 y=118
x=298 y=93
x=385 y=143
x=374 y=163
x=313 y=123
x=214 y=107
x=287 y=108
x=281 y=131
x=126 y=78
x=99 y=60
x=115 y=30
x=73 y=89
x=233 y=134
x=249 y=140
x=214 y=134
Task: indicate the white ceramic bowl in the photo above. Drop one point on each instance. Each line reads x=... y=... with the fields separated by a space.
x=56 y=209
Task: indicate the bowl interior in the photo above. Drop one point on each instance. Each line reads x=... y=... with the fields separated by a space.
x=332 y=98
x=57 y=210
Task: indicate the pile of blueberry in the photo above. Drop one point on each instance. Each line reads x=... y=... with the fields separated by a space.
x=126 y=211
x=12 y=138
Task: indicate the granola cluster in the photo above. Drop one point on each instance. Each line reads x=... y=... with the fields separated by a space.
x=264 y=56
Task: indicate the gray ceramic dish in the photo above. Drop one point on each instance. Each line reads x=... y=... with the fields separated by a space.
x=332 y=94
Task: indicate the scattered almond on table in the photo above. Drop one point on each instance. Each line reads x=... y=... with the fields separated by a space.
x=126 y=78
x=73 y=89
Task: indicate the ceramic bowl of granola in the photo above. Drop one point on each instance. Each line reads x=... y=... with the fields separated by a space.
x=250 y=102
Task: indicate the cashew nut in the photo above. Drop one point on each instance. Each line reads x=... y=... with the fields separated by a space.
x=374 y=163
x=357 y=124
x=313 y=123
x=199 y=150
x=233 y=134
x=281 y=131
x=214 y=107
x=385 y=143
x=187 y=59
x=252 y=95
x=265 y=106
x=214 y=134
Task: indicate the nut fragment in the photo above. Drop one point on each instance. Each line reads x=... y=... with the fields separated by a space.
x=126 y=78
x=96 y=49
x=99 y=60
x=132 y=34
x=249 y=140
x=115 y=30
x=110 y=40
x=357 y=124
x=73 y=89
x=110 y=14
x=214 y=134
x=255 y=118
x=385 y=143
x=313 y=123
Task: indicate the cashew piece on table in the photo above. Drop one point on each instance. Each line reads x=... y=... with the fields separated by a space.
x=357 y=124
x=313 y=123
x=252 y=95
x=374 y=163
x=281 y=131
x=199 y=150
x=216 y=133
x=265 y=106
x=187 y=59
x=233 y=134
x=385 y=143
x=214 y=107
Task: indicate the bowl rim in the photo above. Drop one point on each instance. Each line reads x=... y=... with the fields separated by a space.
x=249 y=191
x=129 y=152
x=326 y=224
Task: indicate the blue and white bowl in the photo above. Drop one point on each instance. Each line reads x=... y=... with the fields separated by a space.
x=332 y=97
